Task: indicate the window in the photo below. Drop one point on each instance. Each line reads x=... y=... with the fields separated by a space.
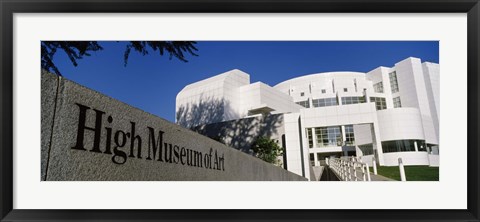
x=345 y=89
x=305 y=103
x=312 y=159
x=366 y=149
x=396 y=102
x=380 y=102
x=325 y=102
x=310 y=137
x=349 y=135
x=433 y=149
x=393 y=81
x=378 y=87
x=302 y=94
x=324 y=91
x=352 y=100
x=422 y=147
x=328 y=136
x=402 y=145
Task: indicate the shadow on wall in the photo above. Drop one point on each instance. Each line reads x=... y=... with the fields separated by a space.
x=207 y=110
x=241 y=134
x=207 y=117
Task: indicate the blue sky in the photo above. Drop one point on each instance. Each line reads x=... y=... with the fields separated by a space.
x=152 y=82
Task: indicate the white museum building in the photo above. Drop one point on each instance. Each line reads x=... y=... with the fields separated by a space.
x=387 y=113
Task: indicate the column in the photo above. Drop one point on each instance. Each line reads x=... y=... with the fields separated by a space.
x=377 y=142
x=367 y=98
x=315 y=158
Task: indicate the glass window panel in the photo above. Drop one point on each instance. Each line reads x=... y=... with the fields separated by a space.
x=324 y=102
x=310 y=137
x=305 y=103
x=379 y=102
x=396 y=102
x=328 y=136
x=393 y=81
x=378 y=87
x=402 y=146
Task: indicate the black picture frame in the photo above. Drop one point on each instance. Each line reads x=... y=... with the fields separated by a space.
x=9 y=7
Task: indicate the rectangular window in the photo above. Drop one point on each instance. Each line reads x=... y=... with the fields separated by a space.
x=380 y=102
x=422 y=147
x=352 y=100
x=378 y=87
x=396 y=102
x=349 y=135
x=361 y=99
x=302 y=94
x=401 y=145
x=310 y=137
x=305 y=103
x=328 y=136
x=325 y=102
x=324 y=91
x=393 y=81
x=345 y=89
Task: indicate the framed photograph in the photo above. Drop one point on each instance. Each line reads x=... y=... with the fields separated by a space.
x=252 y=111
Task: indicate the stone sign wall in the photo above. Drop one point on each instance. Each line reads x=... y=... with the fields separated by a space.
x=87 y=136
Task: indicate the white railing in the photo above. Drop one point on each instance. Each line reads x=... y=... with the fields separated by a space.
x=349 y=169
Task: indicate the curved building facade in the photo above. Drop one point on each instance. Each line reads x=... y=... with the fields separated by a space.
x=385 y=114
